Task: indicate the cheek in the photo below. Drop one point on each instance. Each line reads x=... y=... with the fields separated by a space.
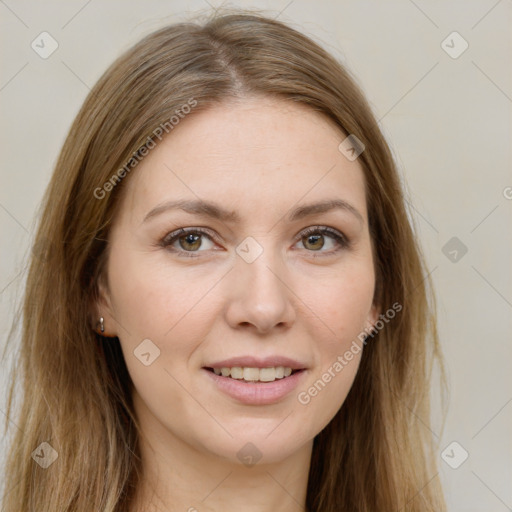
x=343 y=306
x=163 y=315
x=343 y=303
x=172 y=307
x=151 y=296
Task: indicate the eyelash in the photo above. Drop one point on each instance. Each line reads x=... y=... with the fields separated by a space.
x=342 y=240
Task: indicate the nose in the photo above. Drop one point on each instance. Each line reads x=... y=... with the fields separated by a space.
x=260 y=296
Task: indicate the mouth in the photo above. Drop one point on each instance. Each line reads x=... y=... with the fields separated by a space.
x=255 y=375
x=252 y=385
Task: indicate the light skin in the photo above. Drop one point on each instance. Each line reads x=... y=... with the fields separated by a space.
x=261 y=158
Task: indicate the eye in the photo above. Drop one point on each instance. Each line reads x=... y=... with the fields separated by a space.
x=189 y=240
x=314 y=237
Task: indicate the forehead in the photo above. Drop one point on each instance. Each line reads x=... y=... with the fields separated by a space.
x=257 y=154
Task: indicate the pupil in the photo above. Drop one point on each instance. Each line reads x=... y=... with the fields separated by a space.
x=315 y=238
x=192 y=239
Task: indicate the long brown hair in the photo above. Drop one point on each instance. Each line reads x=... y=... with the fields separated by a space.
x=377 y=452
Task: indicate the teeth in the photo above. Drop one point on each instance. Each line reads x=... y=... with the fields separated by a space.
x=254 y=374
x=268 y=374
x=236 y=372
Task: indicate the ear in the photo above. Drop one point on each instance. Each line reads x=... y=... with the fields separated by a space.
x=101 y=306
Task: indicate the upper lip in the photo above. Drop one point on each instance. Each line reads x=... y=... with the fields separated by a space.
x=258 y=362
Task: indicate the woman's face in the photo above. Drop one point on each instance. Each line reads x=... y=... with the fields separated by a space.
x=254 y=280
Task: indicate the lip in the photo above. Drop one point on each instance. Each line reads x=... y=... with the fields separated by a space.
x=256 y=393
x=256 y=362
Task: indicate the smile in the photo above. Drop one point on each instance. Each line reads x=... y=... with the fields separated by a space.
x=251 y=374
x=251 y=388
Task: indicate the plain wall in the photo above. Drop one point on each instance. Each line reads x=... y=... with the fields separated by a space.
x=448 y=121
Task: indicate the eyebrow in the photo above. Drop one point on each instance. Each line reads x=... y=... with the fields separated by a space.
x=209 y=209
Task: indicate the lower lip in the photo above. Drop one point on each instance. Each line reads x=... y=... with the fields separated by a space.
x=256 y=393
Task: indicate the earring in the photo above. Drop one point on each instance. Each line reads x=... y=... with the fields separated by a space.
x=102 y=325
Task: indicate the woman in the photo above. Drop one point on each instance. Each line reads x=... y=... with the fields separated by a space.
x=231 y=310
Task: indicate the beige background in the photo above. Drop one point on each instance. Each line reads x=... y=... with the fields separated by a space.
x=447 y=119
